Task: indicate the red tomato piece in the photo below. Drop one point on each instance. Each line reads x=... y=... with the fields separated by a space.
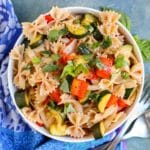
x=55 y=95
x=102 y=73
x=40 y=124
x=49 y=18
x=107 y=61
x=79 y=88
x=122 y=103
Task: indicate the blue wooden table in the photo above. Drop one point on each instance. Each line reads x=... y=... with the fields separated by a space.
x=138 y=10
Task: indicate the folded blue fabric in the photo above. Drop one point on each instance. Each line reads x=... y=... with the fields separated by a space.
x=15 y=134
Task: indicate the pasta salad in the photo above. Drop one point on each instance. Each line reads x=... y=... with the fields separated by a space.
x=76 y=74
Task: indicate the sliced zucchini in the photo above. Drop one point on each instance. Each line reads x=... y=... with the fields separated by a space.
x=128 y=92
x=83 y=49
x=103 y=93
x=103 y=102
x=96 y=33
x=83 y=100
x=77 y=30
x=35 y=42
x=98 y=130
x=21 y=99
x=58 y=129
x=88 y=19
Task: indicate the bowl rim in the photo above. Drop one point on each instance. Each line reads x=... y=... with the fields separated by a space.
x=70 y=139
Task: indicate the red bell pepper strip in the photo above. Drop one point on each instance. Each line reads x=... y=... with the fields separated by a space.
x=103 y=73
x=112 y=101
x=55 y=95
x=122 y=103
x=48 y=18
x=79 y=88
x=107 y=61
x=40 y=124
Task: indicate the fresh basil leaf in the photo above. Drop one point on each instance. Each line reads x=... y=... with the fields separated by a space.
x=120 y=61
x=53 y=35
x=45 y=53
x=124 y=19
x=55 y=57
x=106 y=42
x=68 y=70
x=144 y=46
x=36 y=60
x=49 y=68
x=64 y=86
x=124 y=75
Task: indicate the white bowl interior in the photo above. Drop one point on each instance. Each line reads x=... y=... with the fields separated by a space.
x=77 y=10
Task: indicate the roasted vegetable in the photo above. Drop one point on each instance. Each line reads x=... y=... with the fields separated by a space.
x=103 y=102
x=98 y=130
x=88 y=19
x=21 y=99
x=35 y=42
x=96 y=33
x=76 y=30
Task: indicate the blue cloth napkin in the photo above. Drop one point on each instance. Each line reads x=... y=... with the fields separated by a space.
x=15 y=134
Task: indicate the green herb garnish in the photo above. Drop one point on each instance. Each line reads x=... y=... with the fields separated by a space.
x=50 y=67
x=120 y=61
x=53 y=35
x=68 y=70
x=36 y=60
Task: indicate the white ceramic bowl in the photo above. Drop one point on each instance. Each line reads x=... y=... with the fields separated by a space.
x=125 y=32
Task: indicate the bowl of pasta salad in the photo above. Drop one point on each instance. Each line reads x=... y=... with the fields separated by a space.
x=75 y=74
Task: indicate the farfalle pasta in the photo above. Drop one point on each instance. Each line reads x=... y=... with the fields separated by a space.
x=75 y=74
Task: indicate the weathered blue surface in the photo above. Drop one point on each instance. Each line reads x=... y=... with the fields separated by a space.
x=138 y=10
